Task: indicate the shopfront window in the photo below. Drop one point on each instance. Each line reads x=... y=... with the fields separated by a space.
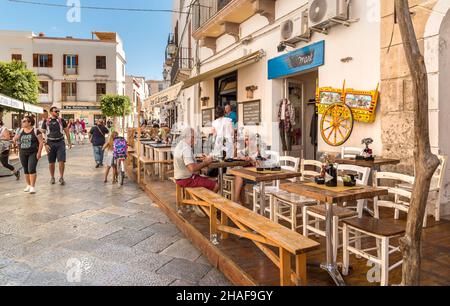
x=67 y=117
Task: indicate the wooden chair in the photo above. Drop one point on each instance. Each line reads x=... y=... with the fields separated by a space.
x=350 y=152
x=437 y=184
x=383 y=231
x=402 y=197
x=318 y=213
x=287 y=163
x=278 y=243
x=228 y=186
x=288 y=207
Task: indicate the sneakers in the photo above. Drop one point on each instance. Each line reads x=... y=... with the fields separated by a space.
x=53 y=181
x=62 y=182
x=27 y=189
x=32 y=190
x=17 y=174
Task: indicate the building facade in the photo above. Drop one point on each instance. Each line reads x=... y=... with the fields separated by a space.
x=137 y=90
x=252 y=54
x=73 y=73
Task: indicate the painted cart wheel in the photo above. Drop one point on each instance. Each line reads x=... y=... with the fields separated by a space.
x=336 y=125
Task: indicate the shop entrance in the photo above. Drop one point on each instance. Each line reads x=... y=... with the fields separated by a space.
x=226 y=91
x=301 y=90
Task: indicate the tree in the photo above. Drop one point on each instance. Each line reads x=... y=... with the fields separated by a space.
x=116 y=106
x=425 y=162
x=17 y=82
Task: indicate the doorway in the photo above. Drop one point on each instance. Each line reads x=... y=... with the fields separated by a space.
x=226 y=91
x=301 y=91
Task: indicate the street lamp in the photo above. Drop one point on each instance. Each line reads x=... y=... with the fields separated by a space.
x=165 y=74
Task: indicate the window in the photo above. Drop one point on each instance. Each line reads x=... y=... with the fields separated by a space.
x=16 y=57
x=69 y=89
x=43 y=87
x=101 y=90
x=160 y=87
x=123 y=70
x=70 y=64
x=43 y=60
x=101 y=62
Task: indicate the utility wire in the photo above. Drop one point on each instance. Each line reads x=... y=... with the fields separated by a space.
x=97 y=7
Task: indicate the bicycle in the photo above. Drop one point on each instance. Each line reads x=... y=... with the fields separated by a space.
x=121 y=170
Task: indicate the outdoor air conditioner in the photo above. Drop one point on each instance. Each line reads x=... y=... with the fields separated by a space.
x=325 y=13
x=296 y=29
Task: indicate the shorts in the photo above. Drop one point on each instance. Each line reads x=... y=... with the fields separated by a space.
x=197 y=181
x=57 y=151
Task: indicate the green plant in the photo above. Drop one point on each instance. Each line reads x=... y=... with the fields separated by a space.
x=115 y=105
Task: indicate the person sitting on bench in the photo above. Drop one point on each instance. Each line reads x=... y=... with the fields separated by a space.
x=186 y=169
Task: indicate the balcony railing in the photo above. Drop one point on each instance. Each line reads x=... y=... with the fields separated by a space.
x=203 y=10
x=182 y=61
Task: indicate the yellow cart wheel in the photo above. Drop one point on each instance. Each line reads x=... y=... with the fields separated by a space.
x=336 y=125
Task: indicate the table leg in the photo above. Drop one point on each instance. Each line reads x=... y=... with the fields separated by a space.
x=330 y=266
x=221 y=181
x=262 y=196
x=366 y=208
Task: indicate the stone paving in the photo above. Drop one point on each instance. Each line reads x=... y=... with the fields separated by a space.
x=91 y=233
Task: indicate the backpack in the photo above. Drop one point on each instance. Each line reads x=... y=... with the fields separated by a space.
x=120 y=148
x=61 y=128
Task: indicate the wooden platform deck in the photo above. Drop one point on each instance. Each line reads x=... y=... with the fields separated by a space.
x=244 y=264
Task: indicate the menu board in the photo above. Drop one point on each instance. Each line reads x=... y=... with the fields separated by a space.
x=252 y=112
x=207 y=117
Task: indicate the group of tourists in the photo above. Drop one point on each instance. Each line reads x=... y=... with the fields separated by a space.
x=54 y=135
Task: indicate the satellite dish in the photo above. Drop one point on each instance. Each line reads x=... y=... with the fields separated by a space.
x=318 y=10
x=287 y=29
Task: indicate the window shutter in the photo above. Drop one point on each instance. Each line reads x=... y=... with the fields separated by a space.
x=76 y=64
x=74 y=89
x=35 y=60
x=50 y=60
x=64 y=63
x=64 y=90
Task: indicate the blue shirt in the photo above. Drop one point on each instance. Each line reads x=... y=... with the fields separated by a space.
x=233 y=117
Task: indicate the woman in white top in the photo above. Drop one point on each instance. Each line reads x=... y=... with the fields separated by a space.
x=223 y=130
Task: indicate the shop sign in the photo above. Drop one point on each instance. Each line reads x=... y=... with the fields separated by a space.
x=252 y=112
x=81 y=108
x=33 y=108
x=207 y=117
x=10 y=102
x=297 y=61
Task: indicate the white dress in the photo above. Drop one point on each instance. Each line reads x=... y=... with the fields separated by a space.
x=109 y=158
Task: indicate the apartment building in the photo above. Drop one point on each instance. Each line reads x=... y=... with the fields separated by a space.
x=73 y=72
x=155 y=86
x=136 y=88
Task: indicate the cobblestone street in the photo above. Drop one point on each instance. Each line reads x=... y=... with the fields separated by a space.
x=91 y=233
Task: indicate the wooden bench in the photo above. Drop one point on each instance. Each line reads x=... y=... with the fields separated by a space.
x=266 y=234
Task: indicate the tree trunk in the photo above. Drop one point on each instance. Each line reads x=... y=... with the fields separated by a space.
x=425 y=162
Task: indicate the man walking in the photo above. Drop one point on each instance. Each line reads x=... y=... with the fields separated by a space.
x=97 y=136
x=55 y=128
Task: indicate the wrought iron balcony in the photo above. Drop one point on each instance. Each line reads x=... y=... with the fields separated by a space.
x=181 y=65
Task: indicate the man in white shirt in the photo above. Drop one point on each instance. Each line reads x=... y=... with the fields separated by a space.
x=223 y=130
x=185 y=167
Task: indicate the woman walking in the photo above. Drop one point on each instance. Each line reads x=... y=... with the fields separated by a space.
x=5 y=144
x=79 y=136
x=110 y=161
x=30 y=148
x=71 y=127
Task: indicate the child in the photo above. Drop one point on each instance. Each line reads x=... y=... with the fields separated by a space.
x=109 y=157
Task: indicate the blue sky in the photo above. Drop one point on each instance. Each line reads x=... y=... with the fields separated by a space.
x=144 y=33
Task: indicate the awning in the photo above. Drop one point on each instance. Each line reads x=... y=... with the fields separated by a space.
x=11 y=103
x=229 y=67
x=30 y=108
x=162 y=97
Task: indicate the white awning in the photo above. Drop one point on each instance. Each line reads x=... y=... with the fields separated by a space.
x=167 y=95
x=33 y=108
x=11 y=103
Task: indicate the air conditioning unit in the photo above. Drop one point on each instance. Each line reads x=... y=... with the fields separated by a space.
x=325 y=13
x=296 y=29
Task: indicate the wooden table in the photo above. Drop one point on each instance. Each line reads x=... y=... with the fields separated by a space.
x=262 y=179
x=160 y=154
x=374 y=164
x=224 y=164
x=330 y=197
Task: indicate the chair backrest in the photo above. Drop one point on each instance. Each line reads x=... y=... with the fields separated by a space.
x=290 y=163
x=438 y=176
x=305 y=167
x=363 y=173
x=390 y=180
x=350 y=152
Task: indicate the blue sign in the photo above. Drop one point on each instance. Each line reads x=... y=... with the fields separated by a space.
x=297 y=61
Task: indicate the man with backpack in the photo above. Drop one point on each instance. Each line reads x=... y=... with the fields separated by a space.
x=97 y=137
x=55 y=128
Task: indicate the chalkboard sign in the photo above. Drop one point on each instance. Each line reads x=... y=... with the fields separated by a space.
x=207 y=117
x=252 y=112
